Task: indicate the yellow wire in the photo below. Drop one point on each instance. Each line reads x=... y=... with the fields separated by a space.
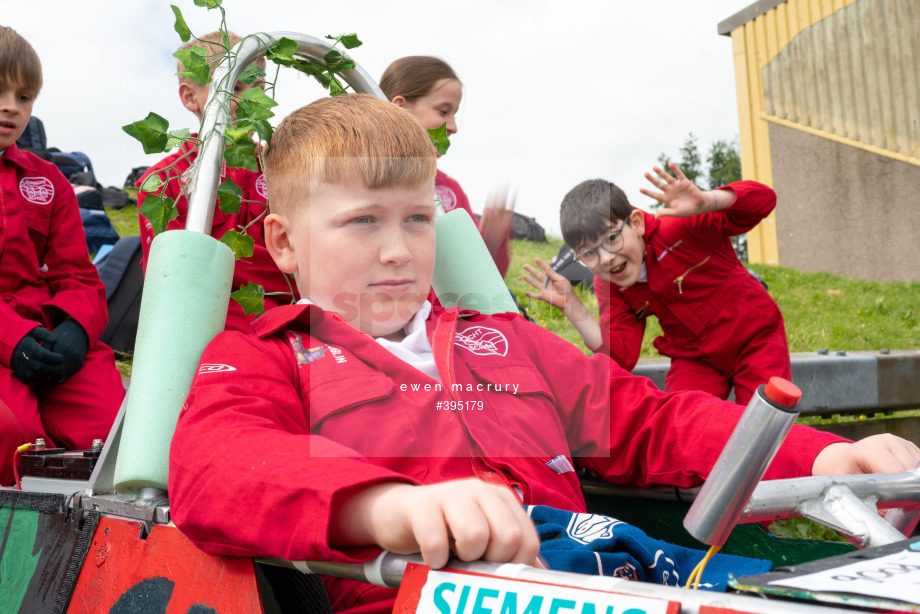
x=697 y=573
x=693 y=574
x=24 y=447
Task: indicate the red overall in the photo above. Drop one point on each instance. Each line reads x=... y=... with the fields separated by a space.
x=260 y=268
x=46 y=275
x=720 y=326
x=279 y=425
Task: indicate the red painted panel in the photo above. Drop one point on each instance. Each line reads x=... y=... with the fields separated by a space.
x=119 y=561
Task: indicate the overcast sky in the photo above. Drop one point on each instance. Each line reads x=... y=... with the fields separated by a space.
x=555 y=92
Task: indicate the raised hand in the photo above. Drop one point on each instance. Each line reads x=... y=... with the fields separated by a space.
x=551 y=287
x=495 y=223
x=678 y=194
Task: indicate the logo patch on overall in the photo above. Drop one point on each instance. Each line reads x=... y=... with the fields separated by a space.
x=214 y=368
x=262 y=187
x=303 y=355
x=586 y=528
x=446 y=196
x=482 y=341
x=38 y=190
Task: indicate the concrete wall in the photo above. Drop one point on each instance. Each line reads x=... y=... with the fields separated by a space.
x=844 y=210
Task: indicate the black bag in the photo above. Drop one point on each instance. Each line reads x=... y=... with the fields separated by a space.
x=120 y=271
x=115 y=198
x=90 y=199
x=72 y=162
x=98 y=228
x=527 y=228
x=134 y=176
x=566 y=265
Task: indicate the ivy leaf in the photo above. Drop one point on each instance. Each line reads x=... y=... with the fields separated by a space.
x=181 y=27
x=308 y=67
x=240 y=244
x=334 y=59
x=229 y=195
x=282 y=49
x=151 y=132
x=439 y=138
x=264 y=130
x=256 y=104
x=335 y=87
x=152 y=183
x=349 y=41
x=250 y=297
x=177 y=137
x=241 y=154
x=337 y=62
x=160 y=210
x=239 y=130
x=251 y=74
x=209 y=4
x=325 y=79
x=196 y=64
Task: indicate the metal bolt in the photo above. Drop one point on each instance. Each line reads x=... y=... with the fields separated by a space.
x=823 y=351
x=884 y=351
x=97 y=445
x=39 y=443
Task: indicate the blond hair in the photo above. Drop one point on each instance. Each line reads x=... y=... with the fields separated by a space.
x=351 y=137
x=18 y=61
x=213 y=45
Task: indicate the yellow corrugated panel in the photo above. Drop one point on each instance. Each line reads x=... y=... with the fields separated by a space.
x=846 y=70
x=851 y=75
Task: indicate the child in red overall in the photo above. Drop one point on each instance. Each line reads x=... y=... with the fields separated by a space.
x=364 y=418
x=57 y=380
x=720 y=328
x=258 y=268
x=428 y=88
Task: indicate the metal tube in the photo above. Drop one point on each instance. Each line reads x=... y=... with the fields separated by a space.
x=205 y=174
x=844 y=511
x=742 y=463
x=781 y=498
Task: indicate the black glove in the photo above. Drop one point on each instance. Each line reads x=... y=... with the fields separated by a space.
x=34 y=361
x=71 y=342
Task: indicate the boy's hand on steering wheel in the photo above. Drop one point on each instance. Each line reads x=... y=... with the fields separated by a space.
x=883 y=453
x=472 y=518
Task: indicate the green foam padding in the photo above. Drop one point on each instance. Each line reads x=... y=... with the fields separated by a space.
x=465 y=275
x=186 y=293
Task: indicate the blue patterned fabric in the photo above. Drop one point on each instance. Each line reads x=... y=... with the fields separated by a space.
x=600 y=545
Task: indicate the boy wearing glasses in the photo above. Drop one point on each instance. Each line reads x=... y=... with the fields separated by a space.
x=366 y=418
x=720 y=327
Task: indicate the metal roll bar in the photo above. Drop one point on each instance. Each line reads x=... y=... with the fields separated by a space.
x=205 y=174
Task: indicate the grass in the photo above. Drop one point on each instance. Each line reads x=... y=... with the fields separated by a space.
x=821 y=310
x=124 y=220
